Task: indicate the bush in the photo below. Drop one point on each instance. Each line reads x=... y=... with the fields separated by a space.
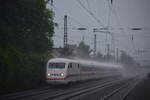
x=20 y=71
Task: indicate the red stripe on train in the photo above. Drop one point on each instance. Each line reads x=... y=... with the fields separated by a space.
x=71 y=75
x=55 y=78
x=76 y=75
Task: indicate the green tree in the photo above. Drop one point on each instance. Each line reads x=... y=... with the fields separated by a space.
x=126 y=59
x=84 y=49
x=99 y=56
x=26 y=24
x=26 y=29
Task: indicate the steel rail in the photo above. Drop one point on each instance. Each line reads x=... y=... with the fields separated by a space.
x=73 y=93
x=121 y=88
x=37 y=92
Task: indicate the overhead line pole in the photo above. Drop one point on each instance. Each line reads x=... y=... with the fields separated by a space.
x=91 y=14
x=95 y=45
x=108 y=51
x=65 y=32
x=117 y=55
x=99 y=21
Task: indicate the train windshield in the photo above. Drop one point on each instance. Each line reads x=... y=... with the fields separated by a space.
x=56 y=65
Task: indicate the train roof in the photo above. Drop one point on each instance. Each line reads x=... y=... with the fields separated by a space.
x=100 y=64
x=61 y=60
x=85 y=62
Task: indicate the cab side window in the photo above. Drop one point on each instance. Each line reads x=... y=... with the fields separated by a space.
x=70 y=65
x=78 y=65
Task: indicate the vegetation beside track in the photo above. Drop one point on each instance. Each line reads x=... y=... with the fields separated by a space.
x=26 y=29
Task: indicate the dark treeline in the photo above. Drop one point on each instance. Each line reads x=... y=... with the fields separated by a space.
x=26 y=29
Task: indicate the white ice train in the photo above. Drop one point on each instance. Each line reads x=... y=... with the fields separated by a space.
x=63 y=71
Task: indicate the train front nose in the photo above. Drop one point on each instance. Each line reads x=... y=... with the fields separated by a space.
x=56 y=75
x=56 y=78
x=56 y=72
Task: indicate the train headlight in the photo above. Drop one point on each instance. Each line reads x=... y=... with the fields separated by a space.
x=49 y=74
x=62 y=74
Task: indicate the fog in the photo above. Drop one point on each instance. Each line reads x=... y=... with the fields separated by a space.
x=100 y=64
x=125 y=15
x=126 y=71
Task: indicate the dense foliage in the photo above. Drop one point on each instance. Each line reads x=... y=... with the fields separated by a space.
x=26 y=29
x=84 y=50
x=25 y=24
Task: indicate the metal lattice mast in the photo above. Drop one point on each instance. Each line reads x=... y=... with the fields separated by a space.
x=94 y=45
x=65 y=32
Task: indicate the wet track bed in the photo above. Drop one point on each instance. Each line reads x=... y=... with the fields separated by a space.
x=52 y=89
x=141 y=92
x=117 y=91
x=89 y=90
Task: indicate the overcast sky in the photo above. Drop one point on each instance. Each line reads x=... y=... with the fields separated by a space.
x=123 y=14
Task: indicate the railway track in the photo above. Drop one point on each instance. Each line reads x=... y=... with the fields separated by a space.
x=73 y=94
x=25 y=94
x=121 y=88
x=117 y=91
x=123 y=91
x=81 y=87
x=45 y=92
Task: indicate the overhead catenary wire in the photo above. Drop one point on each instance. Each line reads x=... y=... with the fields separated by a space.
x=89 y=5
x=122 y=29
x=78 y=22
x=107 y=31
x=91 y=13
x=94 y=17
x=108 y=25
x=61 y=37
x=109 y=16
